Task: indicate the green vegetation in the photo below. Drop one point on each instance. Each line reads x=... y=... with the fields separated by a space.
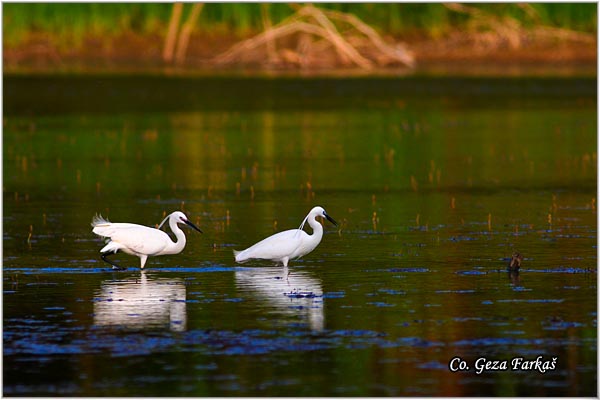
x=69 y=22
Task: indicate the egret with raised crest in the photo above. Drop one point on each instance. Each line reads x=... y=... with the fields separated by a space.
x=139 y=240
x=288 y=245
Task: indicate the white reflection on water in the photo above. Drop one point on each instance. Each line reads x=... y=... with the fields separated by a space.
x=142 y=303
x=300 y=294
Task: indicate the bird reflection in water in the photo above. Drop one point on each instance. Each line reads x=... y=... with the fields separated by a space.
x=142 y=302
x=299 y=295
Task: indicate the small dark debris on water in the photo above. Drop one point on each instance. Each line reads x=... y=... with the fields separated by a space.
x=471 y=272
x=408 y=270
x=298 y=294
x=566 y=270
x=234 y=300
x=42 y=284
x=381 y=304
x=557 y=323
x=334 y=295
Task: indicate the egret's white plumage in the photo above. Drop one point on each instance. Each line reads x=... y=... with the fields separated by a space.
x=287 y=245
x=139 y=240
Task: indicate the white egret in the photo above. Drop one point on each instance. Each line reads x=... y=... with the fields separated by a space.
x=287 y=245
x=139 y=240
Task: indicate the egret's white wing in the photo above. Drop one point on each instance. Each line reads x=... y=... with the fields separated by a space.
x=277 y=246
x=108 y=229
x=137 y=238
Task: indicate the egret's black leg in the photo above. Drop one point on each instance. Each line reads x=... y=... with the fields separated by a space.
x=114 y=265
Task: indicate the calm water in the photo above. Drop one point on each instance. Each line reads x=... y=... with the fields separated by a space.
x=435 y=183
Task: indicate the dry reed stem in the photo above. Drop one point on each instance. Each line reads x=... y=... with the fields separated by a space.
x=186 y=31
x=172 y=32
x=266 y=20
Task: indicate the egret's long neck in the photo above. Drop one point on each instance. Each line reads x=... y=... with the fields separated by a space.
x=317 y=229
x=176 y=247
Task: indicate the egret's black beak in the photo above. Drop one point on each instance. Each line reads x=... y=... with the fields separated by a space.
x=330 y=219
x=187 y=222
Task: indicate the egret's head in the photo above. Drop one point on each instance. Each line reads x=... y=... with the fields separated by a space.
x=180 y=218
x=320 y=212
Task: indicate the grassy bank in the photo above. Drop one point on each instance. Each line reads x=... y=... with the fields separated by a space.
x=69 y=23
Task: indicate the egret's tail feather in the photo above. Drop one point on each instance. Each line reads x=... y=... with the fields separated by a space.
x=102 y=227
x=98 y=220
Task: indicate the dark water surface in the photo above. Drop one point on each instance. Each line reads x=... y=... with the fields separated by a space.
x=434 y=182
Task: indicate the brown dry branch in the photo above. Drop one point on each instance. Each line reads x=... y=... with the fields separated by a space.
x=554 y=32
x=317 y=32
x=507 y=28
x=530 y=11
x=511 y=30
x=344 y=49
x=566 y=34
x=398 y=53
x=277 y=32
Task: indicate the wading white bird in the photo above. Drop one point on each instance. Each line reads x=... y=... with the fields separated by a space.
x=139 y=240
x=287 y=245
